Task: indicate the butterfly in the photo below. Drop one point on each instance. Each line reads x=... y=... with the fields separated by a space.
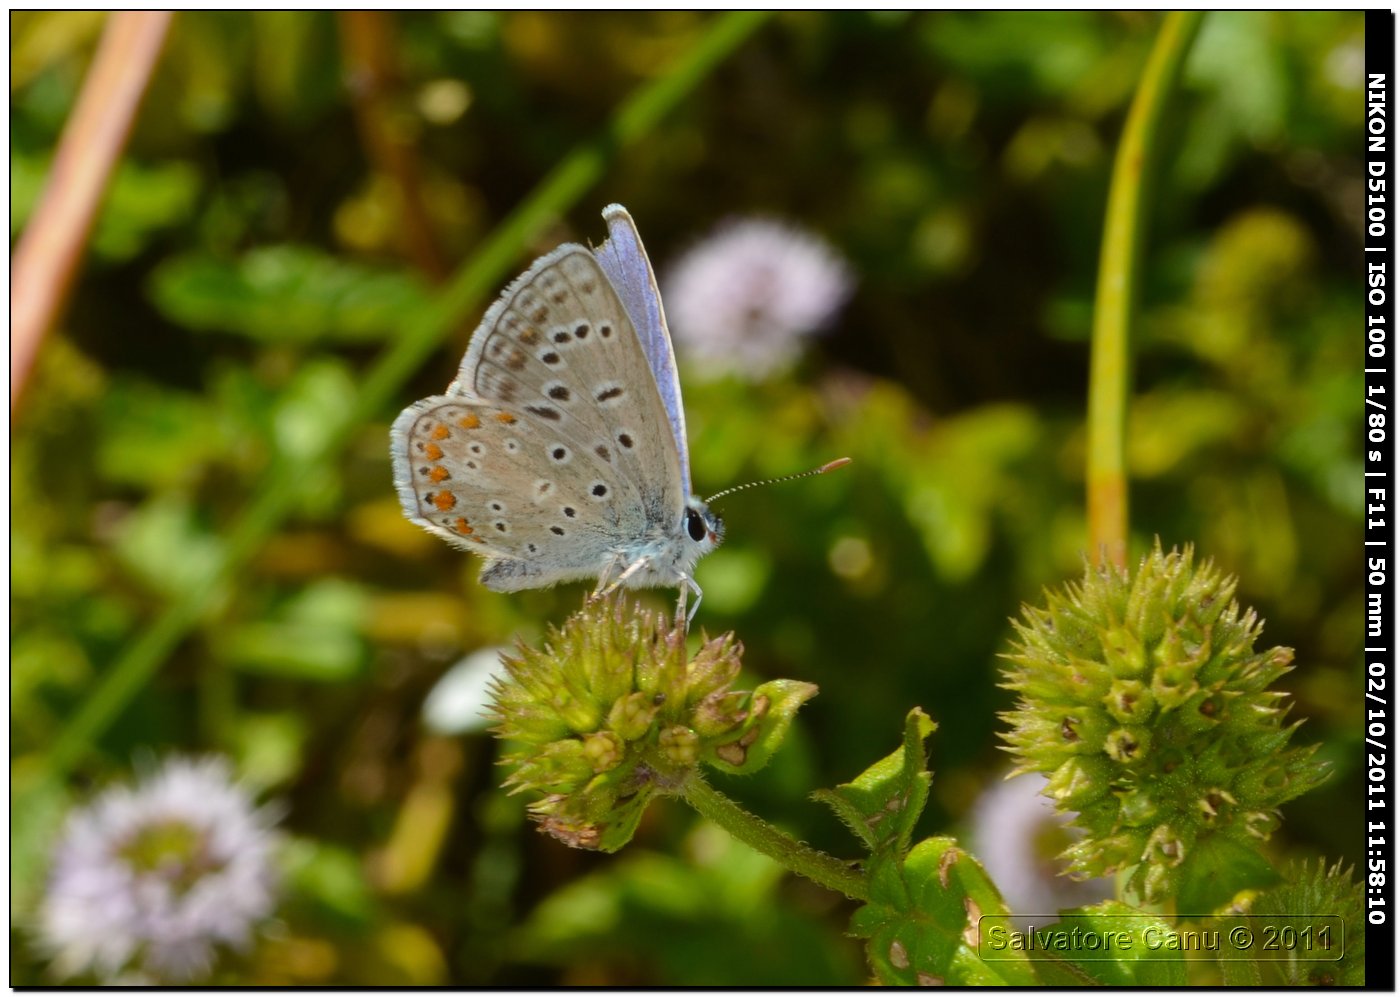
x=559 y=451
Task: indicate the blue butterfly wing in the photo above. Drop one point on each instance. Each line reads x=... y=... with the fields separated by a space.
x=625 y=263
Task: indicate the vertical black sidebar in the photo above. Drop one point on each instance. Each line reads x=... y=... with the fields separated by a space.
x=1379 y=428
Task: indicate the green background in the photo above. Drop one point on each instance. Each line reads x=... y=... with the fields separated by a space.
x=249 y=265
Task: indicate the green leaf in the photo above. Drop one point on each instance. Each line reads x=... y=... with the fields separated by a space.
x=315 y=637
x=155 y=436
x=1131 y=948
x=141 y=201
x=294 y=651
x=1215 y=869
x=883 y=803
x=1241 y=973
x=330 y=879
x=624 y=818
x=923 y=924
x=1320 y=906
x=286 y=294
x=307 y=411
x=167 y=547
x=763 y=732
x=269 y=747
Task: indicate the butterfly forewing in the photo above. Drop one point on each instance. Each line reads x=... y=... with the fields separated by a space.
x=552 y=445
x=563 y=351
x=625 y=262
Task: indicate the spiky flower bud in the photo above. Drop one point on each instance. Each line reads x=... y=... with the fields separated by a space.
x=611 y=711
x=1144 y=702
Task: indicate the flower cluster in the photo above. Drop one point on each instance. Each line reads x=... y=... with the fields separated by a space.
x=1142 y=698
x=611 y=711
x=147 y=882
x=743 y=300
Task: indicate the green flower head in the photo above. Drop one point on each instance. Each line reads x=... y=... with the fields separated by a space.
x=612 y=710
x=1144 y=701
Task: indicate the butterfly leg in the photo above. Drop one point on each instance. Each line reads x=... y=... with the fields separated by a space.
x=605 y=586
x=636 y=566
x=688 y=585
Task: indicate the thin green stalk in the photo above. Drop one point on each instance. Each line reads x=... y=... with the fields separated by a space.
x=1115 y=303
x=763 y=837
x=420 y=336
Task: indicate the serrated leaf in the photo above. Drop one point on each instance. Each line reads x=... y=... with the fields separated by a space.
x=923 y=921
x=883 y=803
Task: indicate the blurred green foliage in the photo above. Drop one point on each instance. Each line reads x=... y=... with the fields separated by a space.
x=251 y=257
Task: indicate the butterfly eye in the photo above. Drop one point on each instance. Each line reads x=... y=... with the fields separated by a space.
x=695 y=525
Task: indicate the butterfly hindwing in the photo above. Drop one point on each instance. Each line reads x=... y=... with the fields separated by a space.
x=482 y=479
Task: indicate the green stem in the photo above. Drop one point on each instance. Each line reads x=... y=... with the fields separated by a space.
x=1115 y=303
x=762 y=836
x=421 y=334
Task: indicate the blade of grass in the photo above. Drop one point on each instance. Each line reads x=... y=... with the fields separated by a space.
x=1115 y=302
x=48 y=252
x=422 y=333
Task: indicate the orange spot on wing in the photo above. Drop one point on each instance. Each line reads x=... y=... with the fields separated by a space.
x=469 y=421
x=439 y=474
x=432 y=451
x=462 y=526
x=441 y=432
x=505 y=417
x=444 y=501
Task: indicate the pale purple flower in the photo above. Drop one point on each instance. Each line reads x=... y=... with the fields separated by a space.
x=1016 y=835
x=149 y=881
x=745 y=299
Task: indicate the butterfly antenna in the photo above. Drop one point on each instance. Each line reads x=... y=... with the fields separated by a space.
x=830 y=466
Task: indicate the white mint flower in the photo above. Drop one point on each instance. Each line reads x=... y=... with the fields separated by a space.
x=148 y=881
x=1017 y=835
x=743 y=300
